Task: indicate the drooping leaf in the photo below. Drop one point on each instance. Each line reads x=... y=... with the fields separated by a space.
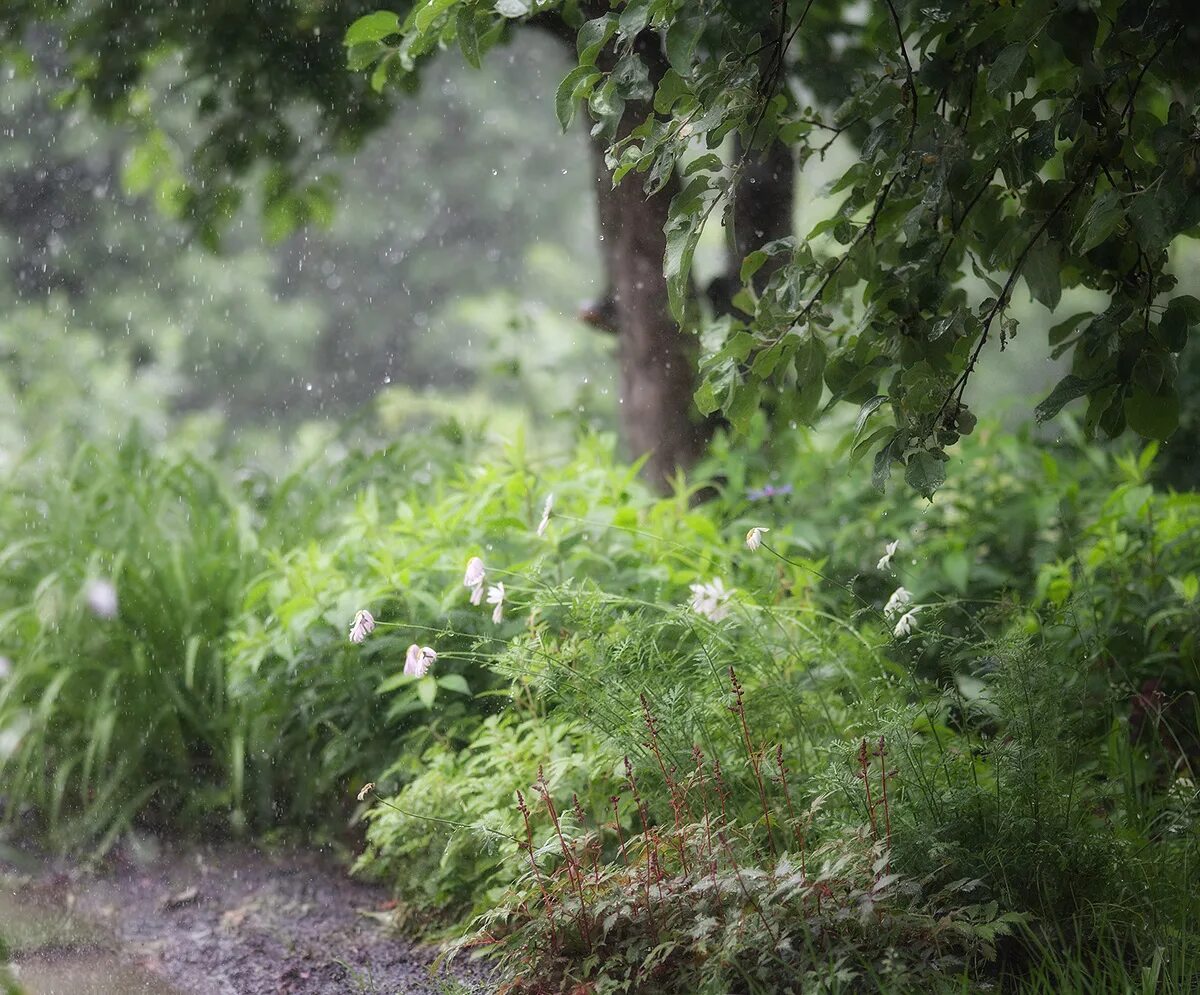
x=372 y=27
x=1066 y=390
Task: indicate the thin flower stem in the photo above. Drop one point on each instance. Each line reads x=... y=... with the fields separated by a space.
x=474 y=827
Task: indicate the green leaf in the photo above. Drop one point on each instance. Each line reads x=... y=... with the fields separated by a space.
x=1066 y=390
x=359 y=56
x=670 y=88
x=1004 y=69
x=925 y=472
x=379 y=77
x=1182 y=314
x=574 y=86
x=742 y=405
x=752 y=264
x=687 y=212
x=468 y=35
x=865 y=412
x=682 y=37
x=456 y=683
x=372 y=27
x=427 y=691
x=1149 y=226
x=882 y=468
x=1154 y=416
x=430 y=12
x=592 y=37
x=1043 y=272
x=710 y=162
x=1100 y=221
x=635 y=17
x=706 y=398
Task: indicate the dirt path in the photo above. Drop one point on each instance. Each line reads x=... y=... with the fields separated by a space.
x=214 y=921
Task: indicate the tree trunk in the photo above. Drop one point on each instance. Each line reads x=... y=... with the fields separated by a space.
x=657 y=361
x=763 y=206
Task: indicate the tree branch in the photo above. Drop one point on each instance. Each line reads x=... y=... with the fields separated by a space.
x=960 y=384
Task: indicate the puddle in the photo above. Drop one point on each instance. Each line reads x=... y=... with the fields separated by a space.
x=56 y=950
x=93 y=973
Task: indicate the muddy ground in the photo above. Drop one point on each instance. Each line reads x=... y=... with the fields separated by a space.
x=212 y=921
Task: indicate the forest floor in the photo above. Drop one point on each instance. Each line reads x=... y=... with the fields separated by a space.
x=227 y=920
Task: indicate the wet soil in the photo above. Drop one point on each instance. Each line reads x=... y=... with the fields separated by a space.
x=213 y=921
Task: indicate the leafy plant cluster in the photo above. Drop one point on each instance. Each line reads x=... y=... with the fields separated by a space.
x=697 y=902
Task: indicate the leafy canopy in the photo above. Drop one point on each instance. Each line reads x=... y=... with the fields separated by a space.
x=1051 y=142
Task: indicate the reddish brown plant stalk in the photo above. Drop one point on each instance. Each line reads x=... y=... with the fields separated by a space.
x=739 y=710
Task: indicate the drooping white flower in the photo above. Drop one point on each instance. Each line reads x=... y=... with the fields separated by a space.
x=885 y=561
x=477 y=594
x=101 y=598
x=754 y=537
x=5 y=667
x=907 y=623
x=711 y=600
x=418 y=660
x=900 y=597
x=495 y=596
x=546 y=509
x=363 y=625
x=475 y=572
x=365 y=790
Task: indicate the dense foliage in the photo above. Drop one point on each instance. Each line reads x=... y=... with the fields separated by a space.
x=1053 y=143
x=1035 y=715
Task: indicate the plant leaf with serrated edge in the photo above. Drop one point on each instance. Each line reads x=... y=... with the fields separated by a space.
x=925 y=473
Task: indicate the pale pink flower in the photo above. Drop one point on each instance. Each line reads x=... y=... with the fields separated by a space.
x=364 y=624
x=495 y=596
x=477 y=594
x=547 y=508
x=885 y=561
x=711 y=600
x=899 y=599
x=754 y=537
x=5 y=667
x=418 y=660
x=101 y=598
x=475 y=572
x=906 y=624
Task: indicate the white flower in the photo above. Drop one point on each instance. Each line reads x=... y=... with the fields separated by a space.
x=364 y=623
x=495 y=596
x=754 y=537
x=5 y=667
x=885 y=561
x=475 y=572
x=711 y=599
x=101 y=598
x=418 y=659
x=900 y=597
x=906 y=624
x=365 y=790
x=546 y=509
x=477 y=594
